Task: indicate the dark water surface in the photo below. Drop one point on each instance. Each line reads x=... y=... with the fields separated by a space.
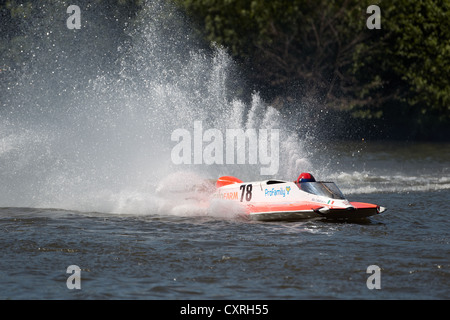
x=171 y=257
x=85 y=150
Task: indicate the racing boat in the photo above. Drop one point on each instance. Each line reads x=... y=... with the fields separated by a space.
x=305 y=198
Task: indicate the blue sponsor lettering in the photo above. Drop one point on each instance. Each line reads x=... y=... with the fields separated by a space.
x=274 y=192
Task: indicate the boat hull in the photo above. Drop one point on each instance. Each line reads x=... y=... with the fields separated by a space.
x=285 y=216
x=296 y=213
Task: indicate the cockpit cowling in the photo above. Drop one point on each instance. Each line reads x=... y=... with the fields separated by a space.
x=325 y=189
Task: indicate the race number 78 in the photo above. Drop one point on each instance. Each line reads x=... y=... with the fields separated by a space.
x=247 y=190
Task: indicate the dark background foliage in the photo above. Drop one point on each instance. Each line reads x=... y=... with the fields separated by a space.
x=391 y=82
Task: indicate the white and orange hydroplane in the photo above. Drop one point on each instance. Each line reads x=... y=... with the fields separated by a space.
x=305 y=198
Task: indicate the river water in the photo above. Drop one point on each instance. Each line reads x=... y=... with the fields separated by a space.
x=88 y=179
x=207 y=255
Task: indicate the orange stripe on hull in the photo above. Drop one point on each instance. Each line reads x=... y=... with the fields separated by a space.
x=288 y=207
x=362 y=205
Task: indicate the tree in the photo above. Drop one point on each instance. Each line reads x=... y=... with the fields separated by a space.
x=404 y=69
x=325 y=50
x=288 y=43
x=419 y=47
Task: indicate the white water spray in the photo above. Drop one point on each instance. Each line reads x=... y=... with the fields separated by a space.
x=103 y=144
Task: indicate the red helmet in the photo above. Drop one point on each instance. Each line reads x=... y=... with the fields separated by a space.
x=305 y=177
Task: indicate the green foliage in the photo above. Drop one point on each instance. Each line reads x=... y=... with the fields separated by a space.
x=324 y=49
x=421 y=49
x=288 y=43
x=404 y=67
x=317 y=50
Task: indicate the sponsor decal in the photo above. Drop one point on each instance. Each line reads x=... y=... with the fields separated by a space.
x=319 y=200
x=229 y=195
x=275 y=192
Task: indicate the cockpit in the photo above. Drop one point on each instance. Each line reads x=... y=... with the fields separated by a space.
x=326 y=189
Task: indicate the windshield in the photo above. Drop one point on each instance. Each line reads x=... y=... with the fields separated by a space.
x=327 y=189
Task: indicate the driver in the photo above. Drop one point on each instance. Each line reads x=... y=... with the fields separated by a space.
x=305 y=177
